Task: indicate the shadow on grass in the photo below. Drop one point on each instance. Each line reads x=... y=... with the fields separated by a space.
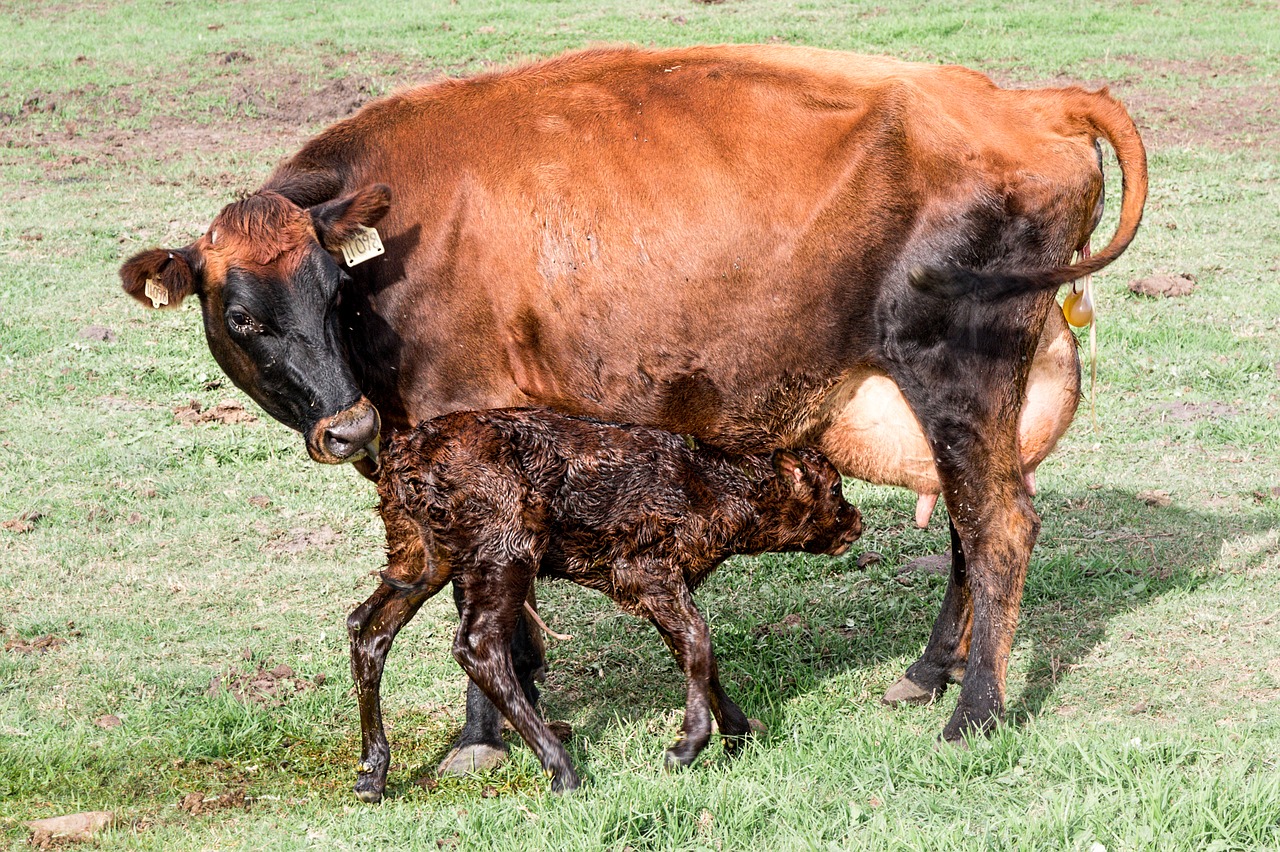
x=782 y=626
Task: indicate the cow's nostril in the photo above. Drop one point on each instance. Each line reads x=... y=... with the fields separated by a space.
x=344 y=437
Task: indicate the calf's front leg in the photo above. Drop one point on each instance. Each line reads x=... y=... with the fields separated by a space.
x=491 y=601
x=687 y=636
x=479 y=745
x=371 y=627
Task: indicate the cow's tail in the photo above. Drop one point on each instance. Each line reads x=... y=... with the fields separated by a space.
x=1107 y=118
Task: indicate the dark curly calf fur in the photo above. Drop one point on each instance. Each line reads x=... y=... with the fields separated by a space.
x=494 y=499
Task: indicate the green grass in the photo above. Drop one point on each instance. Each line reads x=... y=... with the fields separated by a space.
x=1144 y=707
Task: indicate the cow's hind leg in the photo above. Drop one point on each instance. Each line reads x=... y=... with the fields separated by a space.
x=963 y=369
x=947 y=653
x=479 y=746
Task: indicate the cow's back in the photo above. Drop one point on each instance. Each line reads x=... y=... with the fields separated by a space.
x=697 y=238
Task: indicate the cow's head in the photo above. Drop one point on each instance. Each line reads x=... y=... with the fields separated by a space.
x=268 y=284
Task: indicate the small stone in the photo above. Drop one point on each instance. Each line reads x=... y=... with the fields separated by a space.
x=1159 y=499
x=73 y=827
x=869 y=558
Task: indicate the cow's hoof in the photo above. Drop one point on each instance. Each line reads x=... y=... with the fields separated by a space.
x=464 y=760
x=368 y=794
x=907 y=691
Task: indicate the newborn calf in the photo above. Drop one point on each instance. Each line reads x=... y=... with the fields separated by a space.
x=490 y=500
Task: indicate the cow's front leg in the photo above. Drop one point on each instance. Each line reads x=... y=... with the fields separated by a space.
x=480 y=744
x=947 y=653
x=371 y=627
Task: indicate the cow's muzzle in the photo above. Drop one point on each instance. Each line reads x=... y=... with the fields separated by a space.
x=347 y=436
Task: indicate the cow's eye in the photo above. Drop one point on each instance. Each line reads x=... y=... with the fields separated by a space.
x=241 y=322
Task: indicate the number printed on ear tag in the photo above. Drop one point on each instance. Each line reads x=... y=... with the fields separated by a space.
x=362 y=246
x=156 y=292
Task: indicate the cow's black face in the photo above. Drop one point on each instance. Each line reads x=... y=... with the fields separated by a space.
x=269 y=288
x=278 y=341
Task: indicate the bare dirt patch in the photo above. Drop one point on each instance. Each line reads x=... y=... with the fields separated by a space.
x=1164 y=286
x=267 y=687
x=197 y=803
x=98 y=332
x=791 y=623
x=299 y=539
x=226 y=413
x=38 y=645
x=24 y=523
x=1189 y=412
x=936 y=563
x=235 y=100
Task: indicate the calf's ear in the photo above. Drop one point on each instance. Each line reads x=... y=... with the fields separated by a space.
x=790 y=467
x=342 y=218
x=161 y=278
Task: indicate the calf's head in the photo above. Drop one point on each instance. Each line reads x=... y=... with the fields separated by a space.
x=806 y=509
x=268 y=284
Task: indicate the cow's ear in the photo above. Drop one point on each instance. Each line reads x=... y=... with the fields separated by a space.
x=790 y=467
x=161 y=278
x=341 y=219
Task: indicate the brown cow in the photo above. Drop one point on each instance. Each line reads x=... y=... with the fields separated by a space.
x=761 y=246
x=497 y=498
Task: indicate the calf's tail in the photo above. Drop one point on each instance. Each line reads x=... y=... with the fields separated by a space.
x=1105 y=117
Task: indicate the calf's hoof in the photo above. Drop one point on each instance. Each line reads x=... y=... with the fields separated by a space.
x=465 y=760
x=907 y=691
x=733 y=743
x=565 y=781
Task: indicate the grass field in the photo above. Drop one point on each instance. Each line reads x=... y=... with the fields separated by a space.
x=173 y=595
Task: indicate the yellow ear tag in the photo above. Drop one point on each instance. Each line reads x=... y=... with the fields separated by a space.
x=362 y=246
x=156 y=292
